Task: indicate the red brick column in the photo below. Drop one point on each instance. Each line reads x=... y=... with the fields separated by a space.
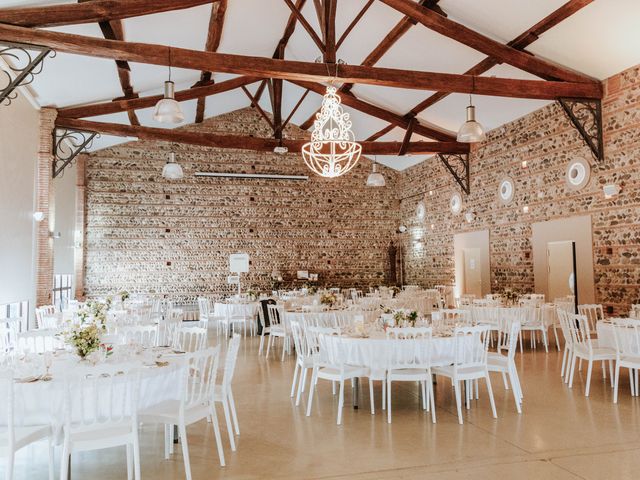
x=45 y=204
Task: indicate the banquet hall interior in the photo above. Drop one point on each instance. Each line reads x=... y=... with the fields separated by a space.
x=305 y=239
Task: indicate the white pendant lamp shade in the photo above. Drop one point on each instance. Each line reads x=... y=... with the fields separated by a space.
x=375 y=178
x=168 y=110
x=172 y=170
x=471 y=131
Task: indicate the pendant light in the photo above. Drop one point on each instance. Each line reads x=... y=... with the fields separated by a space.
x=375 y=179
x=172 y=169
x=471 y=131
x=168 y=110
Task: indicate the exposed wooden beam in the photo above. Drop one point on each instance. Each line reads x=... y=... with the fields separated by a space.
x=486 y=45
x=520 y=42
x=256 y=105
x=216 y=23
x=295 y=108
x=124 y=105
x=294 y=70
x=330 y=31
x=407 y=137
x=208 y=139
x=91 y=12
x=353 y=23
x=303 y=21
x=352 y=101
x=275 y=94
x=380 y=133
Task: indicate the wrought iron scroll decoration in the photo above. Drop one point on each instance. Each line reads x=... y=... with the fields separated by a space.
x=458 y=166
x=586 y=117
x=24 y=62
x=67 y=144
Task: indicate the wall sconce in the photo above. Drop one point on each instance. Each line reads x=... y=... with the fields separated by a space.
x=469 y=216
x=524 y=164
x=525 y=209
x=433 y=226
x=38 y=216
x=431 y=192
x=610 y=190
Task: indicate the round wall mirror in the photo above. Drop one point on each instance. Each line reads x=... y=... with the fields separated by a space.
x=455 y=204
x=421 y=211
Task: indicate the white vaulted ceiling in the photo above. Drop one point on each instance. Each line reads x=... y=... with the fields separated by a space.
x=600 y=40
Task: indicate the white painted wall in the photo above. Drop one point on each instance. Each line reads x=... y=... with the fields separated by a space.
x=65 y=208
x=19 y=126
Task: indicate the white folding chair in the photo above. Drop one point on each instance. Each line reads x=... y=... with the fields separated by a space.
x=191 y=339
x=14 y=436
x=594 y=314
x=38 y=341
x=470 y=363
x=410 y=361
x=144 y=335
x=197 y=390
x=534 y=323
x=508 y=334
x=45 y=317
x=277 y=329
x=627 y=336
x=223 y=393
x=330 y=363
x=304 y=360
x=204 y=312
x=100 y=411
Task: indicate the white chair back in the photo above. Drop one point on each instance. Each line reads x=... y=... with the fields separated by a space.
x=471 y=346
x=594 y=314
x=627 y=337
x=410 y=348
x=38 y=341
x=145 y=335
x=231 y=360
x=191 y=339
x=199 y=378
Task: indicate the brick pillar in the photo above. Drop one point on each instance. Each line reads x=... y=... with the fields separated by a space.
x=79 y=250
x=45 y=204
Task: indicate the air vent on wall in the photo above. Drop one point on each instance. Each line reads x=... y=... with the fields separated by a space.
x=257 y=176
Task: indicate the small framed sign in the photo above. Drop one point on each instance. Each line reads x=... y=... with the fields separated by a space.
x=233 y=279
x=239 y=262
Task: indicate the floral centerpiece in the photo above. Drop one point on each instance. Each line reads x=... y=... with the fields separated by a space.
x=252 y=294
x=395 y=290
x=99 y=313
x=328 y=299
x=403 y=315
x=510 y=296
x=124 y=295
x=312 y=290
x=84 y=338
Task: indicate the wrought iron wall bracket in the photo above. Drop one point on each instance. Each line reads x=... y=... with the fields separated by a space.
x=458 y=166
x=67 y=144
x=586 y=116
x=24 y=62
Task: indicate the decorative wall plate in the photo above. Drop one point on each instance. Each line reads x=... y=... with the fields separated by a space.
x=506 y=190
x=421 y=210
x=578 y=174
x=455 y=204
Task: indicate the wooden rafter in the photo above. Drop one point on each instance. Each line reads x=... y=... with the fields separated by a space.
x=353 y=23
x=243 y=142
x=94 y=11
x=216 y=23
x=352 y=101
x=294 y=70
x=303 y=21
x=124 y=105
x=381 y=133
x=504 y=53
x=383 y=47
x=330 y=30
x=407 y=137
x=256 y=105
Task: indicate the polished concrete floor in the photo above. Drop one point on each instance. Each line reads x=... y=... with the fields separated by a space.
x=560 y=434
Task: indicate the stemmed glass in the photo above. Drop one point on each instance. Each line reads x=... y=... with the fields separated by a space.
x=48 y=361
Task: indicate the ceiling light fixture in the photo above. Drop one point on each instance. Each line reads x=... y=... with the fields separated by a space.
x=172 y=170
x=471 y=131
x=375 y=178
x=168 y=109
x=332 y=150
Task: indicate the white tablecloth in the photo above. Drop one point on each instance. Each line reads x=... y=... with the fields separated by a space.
x=224 y=309
x=606 y=336
x=42 y=402
x=374 y=352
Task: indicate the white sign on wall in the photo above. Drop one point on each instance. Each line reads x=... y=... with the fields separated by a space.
x=233 y=280
x=239 y=262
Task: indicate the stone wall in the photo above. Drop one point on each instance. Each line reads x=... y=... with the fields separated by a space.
x=546 y=140
x=147 y=234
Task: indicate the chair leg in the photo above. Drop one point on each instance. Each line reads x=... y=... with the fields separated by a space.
x=167 y=439
x=371 y=399
x=312 y=387
x=456 y=387
x=269 y=342
x=129 y=462
x=234 y=416
x=340 y=402
x=51 y=458
x=388 y=400
x=227 y=417
x=431 y=400
x=216 y=431
x=632 y=384
x=261 y=344
x=564 y=361
x=545 y=340
x=555 y=333
x=589 y=369
x=295 y=379
x=136 y=454
x=573 y=370
x=65 y=460
x=384 y=394
x=611 y=371
x=185 y=450
x=490 y=391
x=285 y=342
x=301 y=384
x=516 y=393
x=423 y=387
x=615 y=383
x=504 y=380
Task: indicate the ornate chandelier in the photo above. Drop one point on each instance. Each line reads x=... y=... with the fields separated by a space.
x=332 y=150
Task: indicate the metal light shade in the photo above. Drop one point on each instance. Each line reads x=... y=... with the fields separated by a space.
x=375 y=179
x=172 y=170
x=168 y=110
x=471 y=131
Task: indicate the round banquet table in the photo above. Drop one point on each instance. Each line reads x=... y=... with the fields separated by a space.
x=41 y=402
x=249 y=310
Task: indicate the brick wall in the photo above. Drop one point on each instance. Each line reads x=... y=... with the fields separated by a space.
x=547 y=141
x=45 y=203
x=147 y=234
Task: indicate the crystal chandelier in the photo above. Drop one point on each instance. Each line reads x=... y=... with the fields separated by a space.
x=332 y=150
